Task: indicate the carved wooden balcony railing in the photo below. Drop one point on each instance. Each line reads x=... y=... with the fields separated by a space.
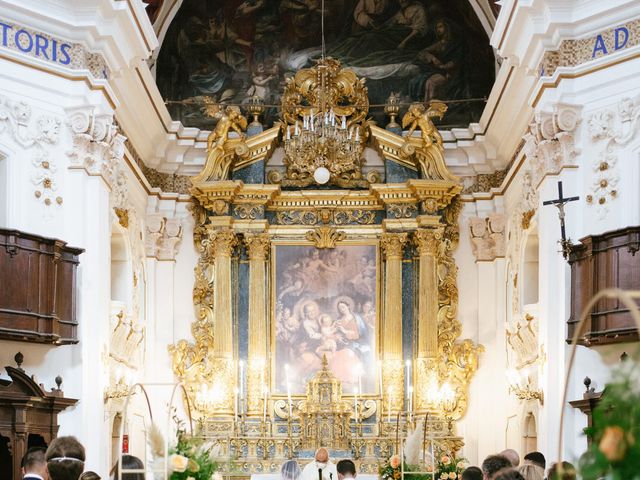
x=604 y=261
x=37 y=288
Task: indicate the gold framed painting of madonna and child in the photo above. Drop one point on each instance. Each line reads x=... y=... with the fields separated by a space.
x=325 y=303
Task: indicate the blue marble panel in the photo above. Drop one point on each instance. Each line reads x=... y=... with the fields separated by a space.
x=408 y=298
x=242 y=315
x=253 y=173
x=396 y=173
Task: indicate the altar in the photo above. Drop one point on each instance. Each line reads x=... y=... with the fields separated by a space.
x=276 y=476
x=325 y=287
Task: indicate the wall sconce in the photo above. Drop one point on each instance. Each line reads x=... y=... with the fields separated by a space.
x=208 y=399
x=520 y=384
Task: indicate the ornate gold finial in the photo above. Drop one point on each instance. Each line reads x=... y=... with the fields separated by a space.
x=392 y=109
x=256 y=108
x=325 y=237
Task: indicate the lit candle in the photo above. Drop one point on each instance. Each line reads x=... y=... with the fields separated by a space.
x=408 y=375
x=286 y=370
x=355 y=404
x=380 y=377
x=241 y=386
x=235 y=403
x=389 y=391
x=264 y=402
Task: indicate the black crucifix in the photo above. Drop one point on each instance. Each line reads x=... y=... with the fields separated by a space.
x=560 y=202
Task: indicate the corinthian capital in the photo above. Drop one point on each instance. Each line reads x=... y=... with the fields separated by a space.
x=427 y=240
x=257 y=245
x=222 y=242
x=393 y=243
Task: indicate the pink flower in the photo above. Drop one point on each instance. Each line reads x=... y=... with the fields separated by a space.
x=394 y=461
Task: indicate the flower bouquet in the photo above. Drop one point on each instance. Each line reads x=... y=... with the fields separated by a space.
x=189 y=459
x=615 y=435
x=390 y=470
x=449 y=467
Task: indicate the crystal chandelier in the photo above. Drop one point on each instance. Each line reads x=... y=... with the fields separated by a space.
x=323 y=111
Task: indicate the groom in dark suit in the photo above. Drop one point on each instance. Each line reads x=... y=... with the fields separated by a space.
x=34 y=466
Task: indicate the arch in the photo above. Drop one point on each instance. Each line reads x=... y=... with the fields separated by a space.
x=529 y=433
x=115 y=439
x=121 y=268
x=529 y=288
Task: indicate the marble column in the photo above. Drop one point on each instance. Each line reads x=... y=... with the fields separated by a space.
x=392 y=366
x=258 y=250
x=221 y=245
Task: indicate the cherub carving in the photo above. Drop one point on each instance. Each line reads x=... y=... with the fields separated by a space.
x=228 y=118
x=419 y=117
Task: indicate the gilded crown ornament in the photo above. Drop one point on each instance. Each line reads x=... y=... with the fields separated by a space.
x=323 y=109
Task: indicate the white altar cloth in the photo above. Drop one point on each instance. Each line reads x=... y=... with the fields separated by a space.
x=276 y=476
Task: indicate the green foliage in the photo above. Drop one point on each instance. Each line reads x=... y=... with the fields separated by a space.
x=198 y=455
x=449 y=467
x=615 y=449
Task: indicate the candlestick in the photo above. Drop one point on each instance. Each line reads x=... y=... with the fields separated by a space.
x=410 y=402
x=355 y=405
x=408 y=375
x=380 y=377
x=389 y=390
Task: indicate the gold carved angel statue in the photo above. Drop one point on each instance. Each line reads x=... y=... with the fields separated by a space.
x=420 y=117
x=229 y=118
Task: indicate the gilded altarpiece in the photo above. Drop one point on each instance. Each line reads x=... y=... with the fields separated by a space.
x=291 y=277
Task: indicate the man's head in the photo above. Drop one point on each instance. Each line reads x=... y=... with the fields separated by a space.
x=322 y=457
x=492 y=464
x=508 y=474
x=512 y=455
x=536 y=458
x=472 y=473
x=346 y=469
x=34 y=462
x=65 y=458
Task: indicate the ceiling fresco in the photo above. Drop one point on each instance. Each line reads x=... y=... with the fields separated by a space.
x=232 y=50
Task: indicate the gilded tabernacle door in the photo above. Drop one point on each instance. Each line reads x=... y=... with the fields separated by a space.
x=325 y=303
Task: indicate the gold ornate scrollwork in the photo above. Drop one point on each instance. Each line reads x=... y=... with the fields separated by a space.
x=325 y=237
x=457 y=361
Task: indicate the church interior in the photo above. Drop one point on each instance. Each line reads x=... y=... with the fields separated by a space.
x=234 y=232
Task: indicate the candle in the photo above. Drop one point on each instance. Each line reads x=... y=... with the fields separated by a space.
x=264 y=404
x=360 y=380
x=235 y=403
x=344 y=122
x=241 y=386
x=380 y=377
x=389 y=391
x=410 y=401
x=355 y=404
x=286 y=371
x=408 y=375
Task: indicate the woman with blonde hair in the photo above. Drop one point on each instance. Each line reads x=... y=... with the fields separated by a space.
x=531 y=472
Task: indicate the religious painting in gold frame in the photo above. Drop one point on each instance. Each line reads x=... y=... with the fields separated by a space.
x=325 y=302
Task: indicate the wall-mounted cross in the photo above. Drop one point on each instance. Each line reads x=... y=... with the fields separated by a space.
x=560 y=202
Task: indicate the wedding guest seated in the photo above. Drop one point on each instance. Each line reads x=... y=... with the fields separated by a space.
x=531 y=472
x=536 y=458
x=129 y=462
x=508 y=474
x=346 y=469
x=290 y=470
x=564 y=471
x=472 y=473
x=512 y=455
x=493 y=464
x=33 y=465
x=89 y=475
x=65 y=459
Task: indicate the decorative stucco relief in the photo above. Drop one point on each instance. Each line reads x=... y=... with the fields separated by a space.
x=549 y=143
x=38 y=134
x=610 y=132
x=163 y=236
x=487 y=237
